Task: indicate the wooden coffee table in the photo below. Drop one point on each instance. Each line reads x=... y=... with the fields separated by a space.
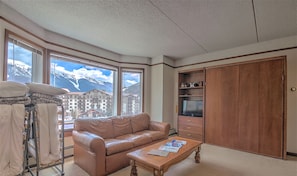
x=160 y=164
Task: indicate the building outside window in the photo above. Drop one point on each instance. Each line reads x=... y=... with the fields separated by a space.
x=87 y=84
x=131 y=91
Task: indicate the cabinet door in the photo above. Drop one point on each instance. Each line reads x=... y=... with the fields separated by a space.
x=245 y=107
x=271 y=107
x=249 y=107
x=221 y=119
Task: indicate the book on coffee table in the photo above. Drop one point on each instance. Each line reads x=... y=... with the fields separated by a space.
x=173 y=146
x=158 y=152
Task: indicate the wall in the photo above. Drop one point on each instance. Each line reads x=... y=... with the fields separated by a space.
x=168 y=91
x=258 y=51
x=157 y=92
x=1 y=47
x=162 y=90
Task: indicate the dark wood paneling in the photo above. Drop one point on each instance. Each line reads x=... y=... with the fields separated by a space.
x=271 y=108
x=213 y=107
x=222 y=106
x=245 y=107
x=249 y=107
x=229 y=82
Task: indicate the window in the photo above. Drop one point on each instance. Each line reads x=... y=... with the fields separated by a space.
x=131 y=91
x=24 y=61
x=93 y=86
x=85 y=82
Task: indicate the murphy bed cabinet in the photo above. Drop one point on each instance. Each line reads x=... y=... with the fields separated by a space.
x=245 y=107
x=191 y=104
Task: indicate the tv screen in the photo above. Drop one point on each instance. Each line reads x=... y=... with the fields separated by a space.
x=192 y=108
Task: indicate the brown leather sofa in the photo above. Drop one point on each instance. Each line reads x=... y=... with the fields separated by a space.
x=101 y=145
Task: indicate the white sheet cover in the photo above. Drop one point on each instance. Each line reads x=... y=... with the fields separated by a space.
x=55 y=152
x=44 y=146
x=11 y=149
x=49 y=134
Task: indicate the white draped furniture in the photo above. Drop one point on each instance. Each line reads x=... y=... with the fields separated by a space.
x=46 y=144
x=12 y=127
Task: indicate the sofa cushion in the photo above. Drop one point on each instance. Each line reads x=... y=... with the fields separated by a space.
x=137 y=140
x=101 y=127
x=140 y=122
x=121 y=126
x=154 y=135
x=117 y=145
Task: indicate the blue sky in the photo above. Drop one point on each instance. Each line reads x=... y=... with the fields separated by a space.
x=82 y=70
x=21 y=54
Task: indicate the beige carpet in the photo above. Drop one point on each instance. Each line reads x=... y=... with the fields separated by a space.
x=215 y=161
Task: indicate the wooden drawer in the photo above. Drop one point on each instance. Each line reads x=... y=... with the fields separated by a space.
x=188 y=134
x=190 y=128
x=190 y=121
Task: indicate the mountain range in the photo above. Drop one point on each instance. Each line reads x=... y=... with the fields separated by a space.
x=65 y=80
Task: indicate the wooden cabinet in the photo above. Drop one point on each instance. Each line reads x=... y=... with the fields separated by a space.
x=245 y=107
x=190 y=127
x=191 y=104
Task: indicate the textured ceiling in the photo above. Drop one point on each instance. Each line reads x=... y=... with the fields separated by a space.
x=175 y=28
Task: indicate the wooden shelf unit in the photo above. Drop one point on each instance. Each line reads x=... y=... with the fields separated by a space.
x=191 y=87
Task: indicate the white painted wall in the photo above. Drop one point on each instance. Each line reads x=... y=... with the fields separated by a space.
x=291 y=55
x=162 y=90
x=2 y=36
x=157 y=92
x=168 y=91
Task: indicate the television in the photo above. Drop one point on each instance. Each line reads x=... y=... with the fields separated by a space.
x=192 y=108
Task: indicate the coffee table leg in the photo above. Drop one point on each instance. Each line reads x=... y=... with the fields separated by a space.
x=158 y=172
x=133 y=169
x=197 y=155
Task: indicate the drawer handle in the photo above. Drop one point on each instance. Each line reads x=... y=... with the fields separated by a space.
x=189 y=134
x=188 y=127
x=189 y=120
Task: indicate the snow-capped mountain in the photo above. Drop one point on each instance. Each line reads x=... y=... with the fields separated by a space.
x=60 y=79
x=74 y=84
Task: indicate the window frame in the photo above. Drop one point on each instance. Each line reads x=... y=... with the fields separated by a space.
x=46 y=59
x=76 y=59
x=132 y=70
x=29 y=45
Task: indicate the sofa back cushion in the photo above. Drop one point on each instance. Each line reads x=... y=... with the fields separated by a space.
x=140 y=122
x=102 y=127
x=121 y=126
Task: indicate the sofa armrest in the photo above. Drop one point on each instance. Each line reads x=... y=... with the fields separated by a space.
x=89 y=141
x=89 y=152
x=160 y=126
